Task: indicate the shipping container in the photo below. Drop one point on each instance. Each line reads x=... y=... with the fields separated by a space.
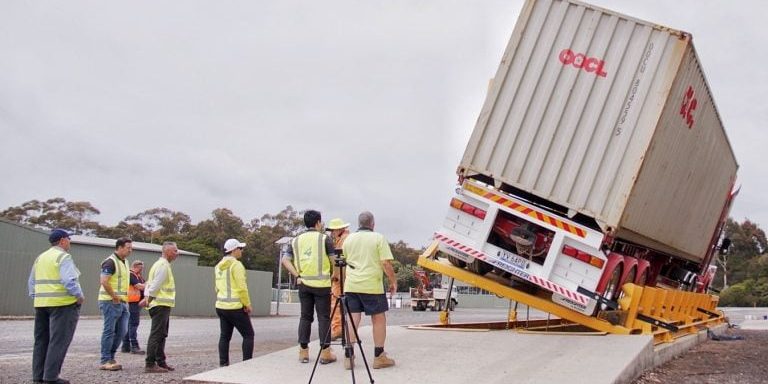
x=609 y=119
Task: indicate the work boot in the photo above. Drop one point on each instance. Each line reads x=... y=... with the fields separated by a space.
x=137 y=351
x=111 y=365
x=166 y=366
x=327 y=356
x=304 y=355
x=382 y=361
x=349 y=362
x=154 y=368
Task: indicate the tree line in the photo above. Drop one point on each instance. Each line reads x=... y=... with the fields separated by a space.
x=742 y=275
x=205 y=238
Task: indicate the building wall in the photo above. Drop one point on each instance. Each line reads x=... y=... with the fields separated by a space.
x=20 y=245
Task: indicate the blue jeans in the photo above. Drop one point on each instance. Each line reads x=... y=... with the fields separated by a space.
x=115 y=325
x=131 y=340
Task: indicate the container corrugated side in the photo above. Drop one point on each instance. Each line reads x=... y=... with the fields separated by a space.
x=688 y=171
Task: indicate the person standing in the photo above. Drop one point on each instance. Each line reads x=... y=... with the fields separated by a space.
x=135 y=294
x=368 y=255
x=113 y=302
x=55 y=287
x=309 y=262
x=339 y=232
x=160 y=297
x=233 y=303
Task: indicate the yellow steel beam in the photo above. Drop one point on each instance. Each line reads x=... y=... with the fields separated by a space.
x=541 y=303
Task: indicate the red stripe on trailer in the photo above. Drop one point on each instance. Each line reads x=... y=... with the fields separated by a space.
x=544 y=283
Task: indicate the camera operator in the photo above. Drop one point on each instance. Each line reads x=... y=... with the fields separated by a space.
x=339 y=231
x=309 y=260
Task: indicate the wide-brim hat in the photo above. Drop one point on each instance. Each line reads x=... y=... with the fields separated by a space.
x=337 y=224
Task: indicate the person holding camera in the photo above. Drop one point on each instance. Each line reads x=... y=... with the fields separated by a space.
x=368 y=255
x=309 y=261
x=339 y=231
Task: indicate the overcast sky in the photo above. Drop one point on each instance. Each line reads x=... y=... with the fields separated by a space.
x=340 y=106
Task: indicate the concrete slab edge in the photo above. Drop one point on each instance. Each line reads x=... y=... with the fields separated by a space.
x=651 y=357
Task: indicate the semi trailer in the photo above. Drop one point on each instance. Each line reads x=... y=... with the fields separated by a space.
x=599 y=158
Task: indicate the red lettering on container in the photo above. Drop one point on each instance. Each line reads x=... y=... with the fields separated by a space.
x=688 y=106
x=582 y=61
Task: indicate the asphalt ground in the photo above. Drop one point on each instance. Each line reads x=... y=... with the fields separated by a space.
x=192 y=343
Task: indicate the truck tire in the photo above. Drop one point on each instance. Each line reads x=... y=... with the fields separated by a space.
x=479 y=267
x=456 y=262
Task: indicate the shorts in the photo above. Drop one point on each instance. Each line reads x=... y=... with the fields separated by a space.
x=369 y=303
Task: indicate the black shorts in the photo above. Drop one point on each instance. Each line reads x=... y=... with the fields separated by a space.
x=371 y=304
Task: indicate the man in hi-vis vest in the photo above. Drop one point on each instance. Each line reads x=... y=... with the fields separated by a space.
x=135 y=294
x=55 y=288
x=113 y=302
x=233 y=303
x=160 y=297
x=308 y=259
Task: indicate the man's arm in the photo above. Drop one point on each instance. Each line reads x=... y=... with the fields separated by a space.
x=238 y=272
x=31 y=283
x=136 y=283
x=70 y=278
x=390 y=272
x=153 y=287
x=107 y=270
x=386 y=257
x=288 y=265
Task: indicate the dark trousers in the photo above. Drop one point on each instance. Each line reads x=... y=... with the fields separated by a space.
x=315 y=300
x=158 y=333
x=229 y=319
x=54 y=329
x=131 y=340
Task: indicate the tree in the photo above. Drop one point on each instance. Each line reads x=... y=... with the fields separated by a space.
x=403 y=253
x=748 y=241
x=76 y=216
x=213 y=232
x=161 y=222
x=265 y=231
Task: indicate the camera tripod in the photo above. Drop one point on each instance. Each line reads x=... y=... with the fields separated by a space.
x=340 y=303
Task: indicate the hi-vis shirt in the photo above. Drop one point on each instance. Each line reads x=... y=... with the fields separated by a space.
x=310 y=253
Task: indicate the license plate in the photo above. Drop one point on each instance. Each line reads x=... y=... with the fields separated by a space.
x=513 y=259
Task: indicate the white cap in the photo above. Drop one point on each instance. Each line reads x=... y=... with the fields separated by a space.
x=232 y=244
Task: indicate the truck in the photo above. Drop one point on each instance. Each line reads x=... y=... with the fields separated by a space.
x=427 y=295
x=599 y=158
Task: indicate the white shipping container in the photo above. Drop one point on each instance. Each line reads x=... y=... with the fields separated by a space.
x=611 y=117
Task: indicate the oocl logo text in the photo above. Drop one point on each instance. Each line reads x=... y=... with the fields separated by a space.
x=581 y=61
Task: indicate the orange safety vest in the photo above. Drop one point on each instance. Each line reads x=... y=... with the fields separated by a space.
x=134 y=294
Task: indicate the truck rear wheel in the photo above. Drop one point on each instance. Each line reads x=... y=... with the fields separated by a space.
x=479 y=267
x=455 y=261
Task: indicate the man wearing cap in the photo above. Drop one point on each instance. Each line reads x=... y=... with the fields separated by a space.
x=308 y=259
x=160 y=297
x=339 y=231
x=135 y=294
x=55 y=288
x=368 y=255
x=233 y=303
x=113 y=302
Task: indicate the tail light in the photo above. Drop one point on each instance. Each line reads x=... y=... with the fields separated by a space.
x=583 y=256
x=468 y=208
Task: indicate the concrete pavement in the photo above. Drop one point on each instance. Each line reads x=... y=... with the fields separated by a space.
x=459 y=357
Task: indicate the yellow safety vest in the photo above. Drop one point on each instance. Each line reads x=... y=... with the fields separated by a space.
x=118 y=281
x=49 y=291
x=166 y=296
x=310 y=259
x=226 y=297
